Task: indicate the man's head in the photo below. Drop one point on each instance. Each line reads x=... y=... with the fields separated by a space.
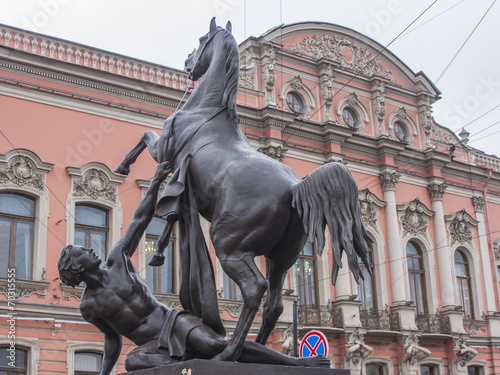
x=74 y=260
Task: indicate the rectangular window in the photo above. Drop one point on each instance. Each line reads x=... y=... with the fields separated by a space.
x=305 y=276
x=159 y=279
x=17 y=220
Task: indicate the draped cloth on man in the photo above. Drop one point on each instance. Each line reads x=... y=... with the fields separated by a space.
x=197 y=293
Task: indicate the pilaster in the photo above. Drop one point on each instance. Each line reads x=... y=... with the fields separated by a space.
x=486 y=261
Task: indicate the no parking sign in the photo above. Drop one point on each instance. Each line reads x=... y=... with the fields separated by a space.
x=314 y=343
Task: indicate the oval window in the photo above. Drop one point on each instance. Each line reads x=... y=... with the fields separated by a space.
x=294 y=102
x=350 y=118
x=400 y=131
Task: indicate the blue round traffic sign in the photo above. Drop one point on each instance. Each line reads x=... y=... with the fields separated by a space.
x=314 y=343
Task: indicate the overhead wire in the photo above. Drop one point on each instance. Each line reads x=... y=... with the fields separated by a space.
x=464 y=43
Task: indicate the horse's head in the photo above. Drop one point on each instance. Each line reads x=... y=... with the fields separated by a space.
x=198 y=62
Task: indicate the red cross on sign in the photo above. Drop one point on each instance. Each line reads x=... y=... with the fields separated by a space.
x=314 y=343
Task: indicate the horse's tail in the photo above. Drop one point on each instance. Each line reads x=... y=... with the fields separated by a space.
x=329 y=195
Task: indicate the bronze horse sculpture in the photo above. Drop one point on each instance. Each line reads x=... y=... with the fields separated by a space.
x=256 y=205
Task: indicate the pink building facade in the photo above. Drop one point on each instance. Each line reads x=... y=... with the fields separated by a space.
x=310 y=93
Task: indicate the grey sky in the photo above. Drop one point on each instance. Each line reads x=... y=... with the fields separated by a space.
x=164 y=32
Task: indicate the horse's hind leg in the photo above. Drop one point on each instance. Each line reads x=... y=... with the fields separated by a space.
x=242 y=269
x=273 y=307
x=278 y=261
x=149 y=140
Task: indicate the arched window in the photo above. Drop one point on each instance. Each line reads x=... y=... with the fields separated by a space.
x=305 y=276
x=350 y=118
x=416 y=276
x=366 y=288
x=17 y=219
x=464 y=284
x=159 y=279
x=16 y=364
x=294 y=102
x=87 y=363
x=91 y=228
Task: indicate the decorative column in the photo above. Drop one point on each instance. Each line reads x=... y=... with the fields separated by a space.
x=345 y=300
x=486 y=262
x=492 y=321
x=396 y=256
x=444 y=257
x=445 y=264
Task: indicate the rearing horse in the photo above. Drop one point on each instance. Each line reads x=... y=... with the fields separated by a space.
x=256 y=205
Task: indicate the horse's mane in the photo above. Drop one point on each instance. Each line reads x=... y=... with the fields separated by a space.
x=233 y=75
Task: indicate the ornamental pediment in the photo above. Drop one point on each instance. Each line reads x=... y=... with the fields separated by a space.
x=370 y=206
x=23 y=168
x=461 y=227
x=414 y=217
x=345 y=51
x=95 y=181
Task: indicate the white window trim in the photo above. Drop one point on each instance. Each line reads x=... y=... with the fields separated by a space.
x=428 y=258
x=434 y=363
x=475 y=277
x=115 y=214
x=400 y=115
x=93 y=347
x=42 y=203
x=141 y=249
x=353 y=103
x=385 y=361
x=33 y=352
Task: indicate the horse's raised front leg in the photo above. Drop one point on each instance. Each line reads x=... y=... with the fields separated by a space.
x=149 y=140
x=242 y=269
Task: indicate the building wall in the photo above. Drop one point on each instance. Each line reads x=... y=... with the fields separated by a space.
x=72 y=111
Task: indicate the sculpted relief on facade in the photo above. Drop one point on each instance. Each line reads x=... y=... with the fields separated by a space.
x=349 y=54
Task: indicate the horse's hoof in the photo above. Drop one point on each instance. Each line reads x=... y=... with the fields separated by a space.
x=157 y=260
x=122 y=170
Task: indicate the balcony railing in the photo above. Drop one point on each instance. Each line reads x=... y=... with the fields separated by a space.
x=380 y=320
x=320 y=316
x=433 y=323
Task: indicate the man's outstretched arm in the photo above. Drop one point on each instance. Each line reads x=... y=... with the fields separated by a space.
x=143 y=214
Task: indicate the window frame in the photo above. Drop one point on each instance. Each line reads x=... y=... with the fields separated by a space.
x=468 y=280
x=90 y=347
x=373 y=283
x=315 y=287
x=399 y=127
x=157 y=271
x=40 y=194
x=421 y=274
x=32 y=349
x=82 y=372
x=92 y=228
x=354 y=114
x=13 y=232
x=295 y=96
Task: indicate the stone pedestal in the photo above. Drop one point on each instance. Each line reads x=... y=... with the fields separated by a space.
x=203 y=367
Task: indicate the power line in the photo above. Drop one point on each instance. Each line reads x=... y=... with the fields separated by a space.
x=429 y=20
x=464 y=43
x=486 y=128
x=477 y=118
